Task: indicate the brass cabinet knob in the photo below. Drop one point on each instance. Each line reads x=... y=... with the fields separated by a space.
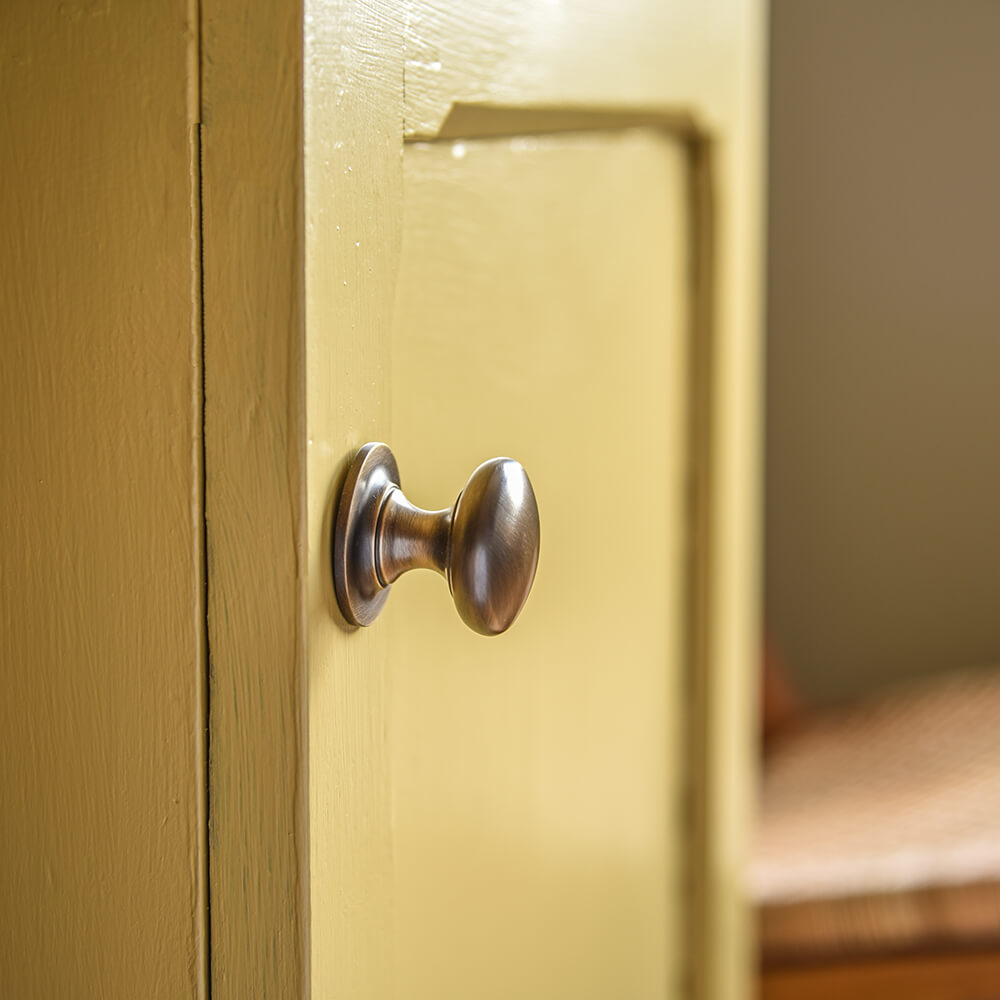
x=485 y=545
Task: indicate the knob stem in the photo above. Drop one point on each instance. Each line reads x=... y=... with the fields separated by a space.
x=408 y=537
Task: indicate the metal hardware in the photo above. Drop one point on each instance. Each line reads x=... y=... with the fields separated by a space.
x=486 y=545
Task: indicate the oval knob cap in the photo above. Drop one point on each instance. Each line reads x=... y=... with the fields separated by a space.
x=486 y=545
x=493 y=549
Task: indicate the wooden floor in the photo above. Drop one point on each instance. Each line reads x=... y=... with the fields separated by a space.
x=971 y=976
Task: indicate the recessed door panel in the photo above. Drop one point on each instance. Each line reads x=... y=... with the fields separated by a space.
x=541 y=313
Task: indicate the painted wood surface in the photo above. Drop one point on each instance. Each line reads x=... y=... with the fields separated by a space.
x=375 y=74
x=542 y=311
x=352 y=113
x=101 y=613
x=254 y=445
x=305 y=113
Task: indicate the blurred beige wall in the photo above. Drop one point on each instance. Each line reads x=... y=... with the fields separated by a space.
x=883 y=506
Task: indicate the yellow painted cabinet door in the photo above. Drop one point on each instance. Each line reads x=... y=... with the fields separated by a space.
x=501 y=259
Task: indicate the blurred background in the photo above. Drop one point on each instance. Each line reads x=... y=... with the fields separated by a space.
x=879 y=848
